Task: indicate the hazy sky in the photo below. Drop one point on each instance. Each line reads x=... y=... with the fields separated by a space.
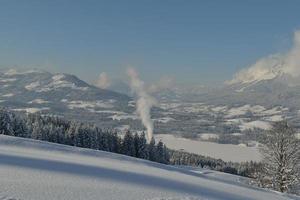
x=193 y=41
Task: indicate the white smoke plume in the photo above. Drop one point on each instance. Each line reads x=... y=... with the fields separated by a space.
x=103 y=81
x=273 y=65
x=144 y=101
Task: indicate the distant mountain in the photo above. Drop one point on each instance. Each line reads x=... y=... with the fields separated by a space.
x=272 y=92
x=234 y=107
x=280 y=90
x=59 y=94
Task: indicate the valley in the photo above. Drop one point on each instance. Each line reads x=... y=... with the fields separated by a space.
x=238 y=122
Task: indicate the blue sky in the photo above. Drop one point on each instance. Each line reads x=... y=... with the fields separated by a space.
x=193 y=41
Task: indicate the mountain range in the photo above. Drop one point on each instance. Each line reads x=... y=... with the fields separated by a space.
x=232 y=108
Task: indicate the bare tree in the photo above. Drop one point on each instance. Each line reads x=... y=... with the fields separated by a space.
x=281 y=153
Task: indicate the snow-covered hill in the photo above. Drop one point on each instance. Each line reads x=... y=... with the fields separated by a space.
x=32 y=169
x=60 y=94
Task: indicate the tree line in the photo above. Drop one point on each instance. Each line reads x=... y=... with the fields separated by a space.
x=86 y=135
x=246 y=169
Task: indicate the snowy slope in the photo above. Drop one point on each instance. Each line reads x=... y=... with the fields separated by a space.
x=39 y=170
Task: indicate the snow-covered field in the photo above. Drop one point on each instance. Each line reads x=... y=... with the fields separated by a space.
x=31 y=110
x=226 y=152
x=255 y=124
x=38 y=170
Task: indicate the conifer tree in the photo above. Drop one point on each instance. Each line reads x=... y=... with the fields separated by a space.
x=152 y=150
x=128 y=144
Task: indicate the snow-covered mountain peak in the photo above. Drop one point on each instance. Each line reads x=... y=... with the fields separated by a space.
x=264 y=69
x=58 y=77
x=272 y=66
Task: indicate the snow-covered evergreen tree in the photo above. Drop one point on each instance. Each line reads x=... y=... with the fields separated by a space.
x=36 y=131
x=140 y=143
x=6 y=119
x=70 y=134
x=128 y=147
x=159 y=152
x=152 y=150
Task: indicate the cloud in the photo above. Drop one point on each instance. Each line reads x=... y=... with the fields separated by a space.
x=103 y=81
x=273 y=65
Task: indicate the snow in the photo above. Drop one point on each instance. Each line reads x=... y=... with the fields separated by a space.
x=131 y=103
x=245 y=123
x=257 y=109
x=31 y=110
x=236 y=120
x=226 y=152
x=236 y=134
x=32 y=86
x=273 y=111
x=255 y=124
x=13 y=72
x=207 y=136
x=39 y=170
x=107 y=111
x=8 y=95
x=90 y=104
x=122 y=116
x=185 y=107
x=238 y=111
x=266 y=68
x=57 y=82
x=241 y=89
x=194 y=108
x=38 y=101
x=164 y=119
x=219 y=109
x=167 y=106
x=58 y=77
x=6 y=80
x=242 y=110
x=274 y=118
